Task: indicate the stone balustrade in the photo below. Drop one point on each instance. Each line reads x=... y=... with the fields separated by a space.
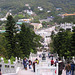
x=45 y=66
x=10 y=68
x=32 y=56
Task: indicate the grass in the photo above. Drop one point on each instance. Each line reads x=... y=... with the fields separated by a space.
x=3 y=28
x=6 y=60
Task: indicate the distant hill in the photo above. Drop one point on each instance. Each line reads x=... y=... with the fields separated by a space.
x=19 y=5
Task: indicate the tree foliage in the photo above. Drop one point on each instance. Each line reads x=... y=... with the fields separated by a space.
x=48 y=5
x=3 y=51
x=73 y=42
x=22 y=43
x=10 y=35
x=68 y=19
x=28 y=40
x=62 y=44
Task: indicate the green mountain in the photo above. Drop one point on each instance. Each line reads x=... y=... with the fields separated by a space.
x=67 y=6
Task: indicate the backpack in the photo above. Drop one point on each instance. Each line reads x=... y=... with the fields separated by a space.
x=68 y=67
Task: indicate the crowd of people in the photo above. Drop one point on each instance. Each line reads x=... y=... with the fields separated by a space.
x=69 y=67
x=30 y=63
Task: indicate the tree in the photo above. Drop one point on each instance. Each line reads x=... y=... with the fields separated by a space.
x=19 y=16
x=68 y=19
x=62 y=43
x=23 y=41
x=28 y=40
x=52 y=34
x=73 y=43
x=3 y=51
x=44 y=24
x=58 y=19
x=10 y=36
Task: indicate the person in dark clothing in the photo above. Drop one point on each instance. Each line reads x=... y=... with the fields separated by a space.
x=52 y=62
x=56 y=62
x=60 y=66
x=72 y=67
x=30 y=63
x=40 y=56
x=52 y=56
x=0 y=72
x=34 y=66
x=49 y=54
x=25 y=63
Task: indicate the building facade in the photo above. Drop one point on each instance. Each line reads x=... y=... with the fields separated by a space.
x=36 y=25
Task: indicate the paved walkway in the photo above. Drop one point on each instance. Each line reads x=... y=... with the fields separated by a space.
x=26 y=72
x=30 y=71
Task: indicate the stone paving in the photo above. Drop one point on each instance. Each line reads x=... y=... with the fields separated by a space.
x=26 y=72
x=30 y=71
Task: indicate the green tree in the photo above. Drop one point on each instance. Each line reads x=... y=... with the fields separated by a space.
x=73 y=43
x=28 y=40
x=58 y=19
x=19 y=16
x=62 y=43
x=44 y=24
x=3 y=51
x=68 y=19
x=52 y=34
x=10 y=36
x=23 y=41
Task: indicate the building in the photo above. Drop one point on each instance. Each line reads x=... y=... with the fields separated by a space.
x=24 y=20
x=47 y=20
x=40 y=8
x=3 y=19
x=68 y=14
x=36 y=25
x=29 y=12
x=48 y=11
x=27 y=5
x=67 y=26
x=2 y=31
x=58 y=9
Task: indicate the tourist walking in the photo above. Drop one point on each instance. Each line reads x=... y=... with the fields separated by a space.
x=25 y=63
x=37 y=61
x=0 y=72
x=56 y=62
x=40 y=56
x=52 y=62
x=52 y=56
x=30 y=63
x=60 y=66
x=68 y=68
x=49 y=54
x=72 y=68
x=34 y=66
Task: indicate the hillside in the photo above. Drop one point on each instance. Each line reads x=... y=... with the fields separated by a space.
x=67 y=6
